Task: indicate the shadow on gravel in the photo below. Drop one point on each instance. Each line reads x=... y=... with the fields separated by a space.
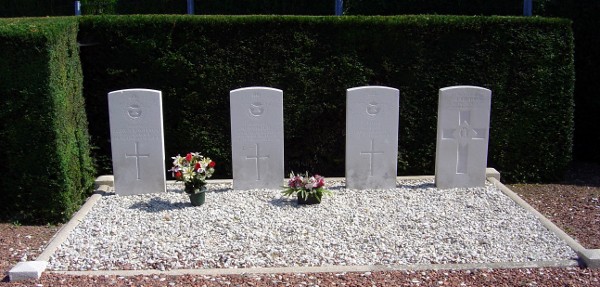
x=219 y=190
x=282 y=202
x=157 y=205
x=425 y=185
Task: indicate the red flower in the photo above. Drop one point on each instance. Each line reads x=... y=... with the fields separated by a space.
x=188 y=157
x=212 y=164
x=197 y=166
x=178 y=175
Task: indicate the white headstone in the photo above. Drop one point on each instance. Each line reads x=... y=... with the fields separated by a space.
x=372 y=137
x=257 y=138
x=136 y=134
x=462 y=136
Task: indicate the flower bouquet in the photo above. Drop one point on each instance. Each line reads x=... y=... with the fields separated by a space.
x=193 y=170
x=308 y=189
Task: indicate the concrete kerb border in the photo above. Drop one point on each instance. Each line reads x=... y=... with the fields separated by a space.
x=104 y=185
x=33 y=269
x=326 y=269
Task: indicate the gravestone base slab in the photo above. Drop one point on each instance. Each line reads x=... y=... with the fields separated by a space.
x=27 y=270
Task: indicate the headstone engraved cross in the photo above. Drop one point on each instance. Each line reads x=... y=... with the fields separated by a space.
x=372 y=137
x=136 y=132
x=257 y=158
x=137 y=156
x=371 y=153
x=462 y=136
x=257 y=137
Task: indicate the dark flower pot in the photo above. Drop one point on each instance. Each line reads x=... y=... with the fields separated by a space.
x=197 y=199
x=197 y=194
x=311 y=199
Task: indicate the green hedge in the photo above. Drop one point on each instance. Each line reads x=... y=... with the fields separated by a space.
x=196 y=61
x=44 y=144
x=99 y=7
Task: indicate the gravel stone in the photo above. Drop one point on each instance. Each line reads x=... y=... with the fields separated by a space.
x=414 y=223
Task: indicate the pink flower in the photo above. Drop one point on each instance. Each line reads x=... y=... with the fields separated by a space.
x=319 y=181
x=295 y=182
x=173 y=170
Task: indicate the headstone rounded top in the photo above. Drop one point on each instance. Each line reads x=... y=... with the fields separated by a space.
x=135 y=90
x=380 y=88
x=255 y=88
x=462 y=89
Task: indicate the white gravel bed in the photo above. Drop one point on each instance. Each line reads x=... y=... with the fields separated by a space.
x=414 y=223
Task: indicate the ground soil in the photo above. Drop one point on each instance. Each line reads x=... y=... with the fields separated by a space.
x=573 y=205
